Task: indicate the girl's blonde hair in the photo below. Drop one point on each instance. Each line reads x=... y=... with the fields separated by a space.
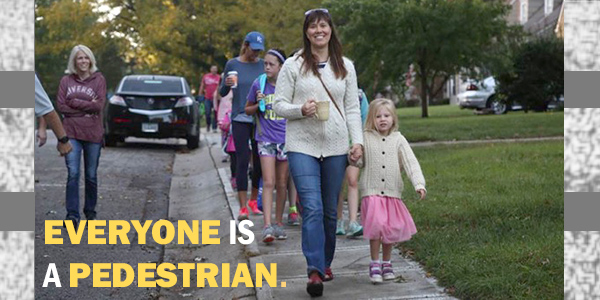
x=71 y=68
x=374 y=107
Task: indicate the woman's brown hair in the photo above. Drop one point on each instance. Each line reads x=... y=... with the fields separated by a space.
x=335 y=47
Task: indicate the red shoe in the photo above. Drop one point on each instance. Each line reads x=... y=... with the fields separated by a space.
x=328 y=274
x=314 y=287
x=243 y=215
x=253 y=204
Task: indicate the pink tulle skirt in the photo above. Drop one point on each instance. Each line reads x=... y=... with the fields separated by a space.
x=386 y=218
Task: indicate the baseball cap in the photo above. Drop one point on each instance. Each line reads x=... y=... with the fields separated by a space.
x=256 y=40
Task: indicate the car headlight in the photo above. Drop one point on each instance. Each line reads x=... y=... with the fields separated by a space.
x=185 y=101
x=117 y=100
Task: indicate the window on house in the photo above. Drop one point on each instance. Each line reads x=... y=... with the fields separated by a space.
x=548 y=6
x=523 y=16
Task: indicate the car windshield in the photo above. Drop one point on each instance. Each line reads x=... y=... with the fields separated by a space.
x=152 y=86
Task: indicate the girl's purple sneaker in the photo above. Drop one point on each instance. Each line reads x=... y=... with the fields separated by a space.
x=375 y=272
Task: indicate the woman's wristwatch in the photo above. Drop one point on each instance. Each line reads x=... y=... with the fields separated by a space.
x=64 y=139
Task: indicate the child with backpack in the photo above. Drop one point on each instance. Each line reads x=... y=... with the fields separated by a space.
x=270 y=137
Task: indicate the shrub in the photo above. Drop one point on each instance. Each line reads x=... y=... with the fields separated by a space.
x=536 y=76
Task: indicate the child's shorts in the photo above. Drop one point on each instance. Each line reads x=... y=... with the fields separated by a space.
x=276 y=150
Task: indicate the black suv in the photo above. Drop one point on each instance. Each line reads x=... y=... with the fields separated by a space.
x=152 y=106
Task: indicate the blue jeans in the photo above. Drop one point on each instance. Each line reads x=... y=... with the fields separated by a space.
x=318 y=182
x=91 y=156
x=211 y=116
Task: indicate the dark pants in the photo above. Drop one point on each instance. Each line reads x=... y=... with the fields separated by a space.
x=211 y=116
x=242 y=133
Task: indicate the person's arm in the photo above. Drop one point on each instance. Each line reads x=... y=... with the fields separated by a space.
x=94 y=106
x=410 y=164
x=55 y=124
x=284 y=92
x=201 y=88
x=61 y=99
x=351 y=106
x=41 y=135
x=225 y=88
x=254 y=96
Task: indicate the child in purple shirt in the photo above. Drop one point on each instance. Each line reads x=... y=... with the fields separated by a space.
x=270 y=137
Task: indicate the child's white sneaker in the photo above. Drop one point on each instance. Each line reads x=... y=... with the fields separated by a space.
x=375 y=272
x=388 y=271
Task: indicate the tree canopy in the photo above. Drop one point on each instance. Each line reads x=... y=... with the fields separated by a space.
x=440 y=38
x=176 y=37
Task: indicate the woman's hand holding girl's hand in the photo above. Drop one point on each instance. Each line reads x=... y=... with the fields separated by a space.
x=421 y=193
x=356 y=152
x=309 y=108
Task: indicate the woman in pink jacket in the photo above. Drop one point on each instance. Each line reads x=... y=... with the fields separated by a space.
x=81 y=97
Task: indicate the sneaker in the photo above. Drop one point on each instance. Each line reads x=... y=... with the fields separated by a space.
x=293 y=219
x=75 y=223
x=268 y=234
x=233 y=183
x=328 y=274
x=90 y=216
x=314 y=287
x=340 y=228
x=253 y=204
x=243 y=215
x=388 y=271
x=278 y=232
x=354 y=230
x=375 y=272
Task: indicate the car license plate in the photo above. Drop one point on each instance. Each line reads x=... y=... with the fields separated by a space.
x=150 y=127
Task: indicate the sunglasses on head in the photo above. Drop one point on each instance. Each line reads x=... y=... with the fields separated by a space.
x=308 y=12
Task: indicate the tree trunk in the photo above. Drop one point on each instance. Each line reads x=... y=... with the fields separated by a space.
x=424 y=101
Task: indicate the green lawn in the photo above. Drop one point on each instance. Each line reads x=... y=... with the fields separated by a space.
x=492 y=224
x=448 y=122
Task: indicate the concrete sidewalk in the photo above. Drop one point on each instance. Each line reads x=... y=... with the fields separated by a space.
x=350 y=266
x=201 y=189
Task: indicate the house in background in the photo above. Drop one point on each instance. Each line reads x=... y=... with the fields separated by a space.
x=538 y=17
x=541 y=18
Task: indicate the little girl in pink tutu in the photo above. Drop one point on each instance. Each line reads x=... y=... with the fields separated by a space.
x=385 y=218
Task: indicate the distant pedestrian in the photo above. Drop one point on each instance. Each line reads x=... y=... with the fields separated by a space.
x=208 y=86
x=317 y=92
x=240 y=73
x=81 y=97
x=270 y=138
x=386 y=219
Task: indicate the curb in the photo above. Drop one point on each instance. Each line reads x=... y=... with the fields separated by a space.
x=521 y=140
x=251 y=250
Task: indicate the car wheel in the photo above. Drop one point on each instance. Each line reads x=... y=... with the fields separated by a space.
x=496 y=106
x=110 y=140
x=193 y=141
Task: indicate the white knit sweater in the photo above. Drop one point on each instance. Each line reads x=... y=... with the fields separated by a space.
x=384 y=157
x=308 y=135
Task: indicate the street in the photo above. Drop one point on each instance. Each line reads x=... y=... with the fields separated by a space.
x=134 y=181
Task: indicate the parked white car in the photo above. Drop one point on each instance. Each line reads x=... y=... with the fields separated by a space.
x=482 y=95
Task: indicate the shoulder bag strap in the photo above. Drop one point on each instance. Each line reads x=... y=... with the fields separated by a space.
x=331 y=97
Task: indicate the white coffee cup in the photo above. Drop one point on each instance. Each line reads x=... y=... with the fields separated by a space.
x=234 y=77
x=322 y=110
